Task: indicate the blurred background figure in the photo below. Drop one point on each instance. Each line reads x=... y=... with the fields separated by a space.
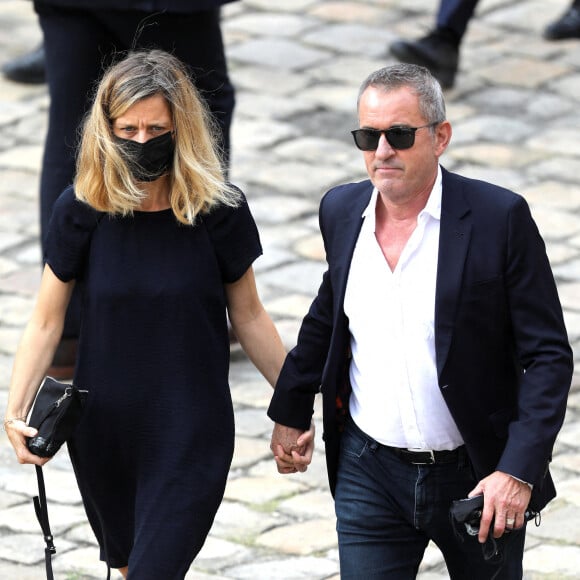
x=439 y=49
x=80 y=41
x=28 y=68
x=567 y=26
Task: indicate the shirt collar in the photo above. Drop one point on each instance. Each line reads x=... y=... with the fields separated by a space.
x=432 y=207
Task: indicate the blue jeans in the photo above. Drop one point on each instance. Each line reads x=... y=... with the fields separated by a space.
x=387 y=511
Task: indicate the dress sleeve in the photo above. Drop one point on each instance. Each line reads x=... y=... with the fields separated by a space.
x=69 y=235
x=235 y=239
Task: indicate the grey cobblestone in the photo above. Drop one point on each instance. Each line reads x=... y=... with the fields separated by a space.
x=297 y=65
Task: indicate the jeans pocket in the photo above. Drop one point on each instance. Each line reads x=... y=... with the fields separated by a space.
x=353 y=444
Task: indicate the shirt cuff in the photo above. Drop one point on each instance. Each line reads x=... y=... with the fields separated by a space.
x=522 y=481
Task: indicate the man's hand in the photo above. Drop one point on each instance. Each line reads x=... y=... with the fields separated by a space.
x=292 y=448
x=505 y=499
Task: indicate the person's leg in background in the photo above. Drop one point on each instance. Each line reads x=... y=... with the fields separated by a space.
x=207 y=59
x=439 y=50
x=196 y=39
x=27 y=68
x=453 y=17
x=567 y=26
x=79 y=45
x=74 y=57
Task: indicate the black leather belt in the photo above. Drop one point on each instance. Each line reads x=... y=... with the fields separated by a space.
x=428 y=457
x=414 y=457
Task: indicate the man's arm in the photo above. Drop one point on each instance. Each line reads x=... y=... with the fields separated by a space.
x=544 y=353
x=542 y=348
x=292 y=403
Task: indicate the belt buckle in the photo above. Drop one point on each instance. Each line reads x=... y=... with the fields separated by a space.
x=431 y=459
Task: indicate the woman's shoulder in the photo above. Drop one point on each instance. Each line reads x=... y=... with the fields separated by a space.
x=69 y=208
x=222 y=212
x=69 y=235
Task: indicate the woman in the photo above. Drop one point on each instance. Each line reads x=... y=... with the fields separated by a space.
x=161 y=246
x=83 y=37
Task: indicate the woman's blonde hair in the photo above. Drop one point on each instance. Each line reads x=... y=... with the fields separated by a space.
x=103 y=178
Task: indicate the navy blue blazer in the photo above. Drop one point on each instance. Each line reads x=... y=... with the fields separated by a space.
x=504 y=363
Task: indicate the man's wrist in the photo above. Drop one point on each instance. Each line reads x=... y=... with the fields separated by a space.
x=522 y=481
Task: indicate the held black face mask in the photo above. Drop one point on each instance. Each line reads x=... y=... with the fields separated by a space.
x=150 y=160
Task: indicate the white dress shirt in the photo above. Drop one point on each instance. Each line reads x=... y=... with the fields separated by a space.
x=395 y=396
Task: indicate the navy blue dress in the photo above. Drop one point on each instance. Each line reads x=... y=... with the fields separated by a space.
x=152 y=452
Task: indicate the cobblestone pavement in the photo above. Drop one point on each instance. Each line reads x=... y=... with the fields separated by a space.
x=297 y=65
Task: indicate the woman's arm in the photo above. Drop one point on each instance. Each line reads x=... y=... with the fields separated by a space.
x=254 y=327
x=33 y=357
x=261 y=342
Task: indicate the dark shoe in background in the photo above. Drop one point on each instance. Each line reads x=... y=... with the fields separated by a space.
x=28 y=68
x=567 y=26
x=435 y=52
x=64 y=361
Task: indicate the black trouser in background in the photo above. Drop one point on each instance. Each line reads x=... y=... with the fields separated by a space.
x=454 y=16
x=80 y=44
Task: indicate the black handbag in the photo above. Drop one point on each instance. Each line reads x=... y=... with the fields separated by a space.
x=55 y=413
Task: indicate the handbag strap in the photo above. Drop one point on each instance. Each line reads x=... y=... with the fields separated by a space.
x=41 y=509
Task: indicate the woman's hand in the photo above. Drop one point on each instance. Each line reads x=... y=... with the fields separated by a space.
x=18 y=431
x=33 y=356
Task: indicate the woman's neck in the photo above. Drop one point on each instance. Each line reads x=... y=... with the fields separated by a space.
x=157 y=195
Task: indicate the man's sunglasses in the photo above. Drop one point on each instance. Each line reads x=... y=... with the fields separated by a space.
x=397 y=137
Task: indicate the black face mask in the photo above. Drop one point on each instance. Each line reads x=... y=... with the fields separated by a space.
x=150 y=160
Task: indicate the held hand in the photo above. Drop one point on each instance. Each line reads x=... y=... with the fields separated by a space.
x=505 y=500
x=292 y=448
x=17 y=432
x=306 y=445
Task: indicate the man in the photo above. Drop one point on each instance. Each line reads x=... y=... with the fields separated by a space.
x=438 y=344
x=439 y=49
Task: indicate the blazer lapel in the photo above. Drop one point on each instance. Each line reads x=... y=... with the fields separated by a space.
x=348 y=229
x=454 y=236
